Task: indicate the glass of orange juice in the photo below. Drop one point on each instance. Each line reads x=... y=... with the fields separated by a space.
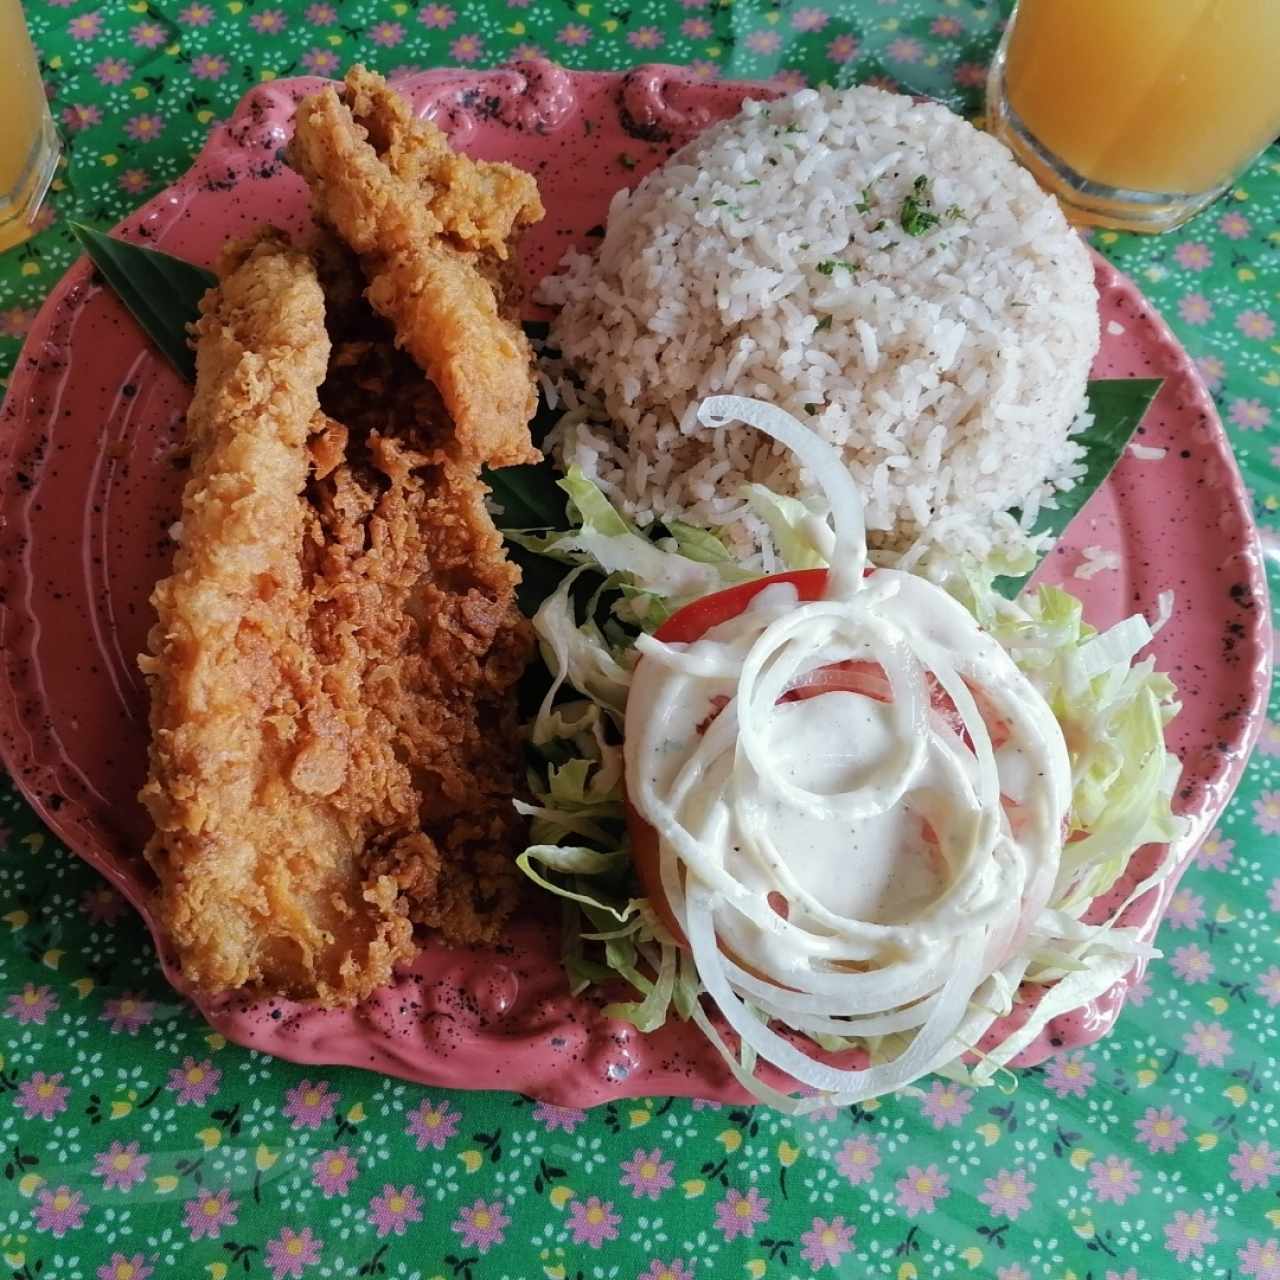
x=28 y=141
x=1137 y=113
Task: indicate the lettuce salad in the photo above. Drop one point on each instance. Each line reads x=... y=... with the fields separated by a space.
x=620 y=582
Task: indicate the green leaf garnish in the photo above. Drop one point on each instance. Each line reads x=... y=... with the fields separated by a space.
x=917 y=215
x=1117 y=405
x=161 y=292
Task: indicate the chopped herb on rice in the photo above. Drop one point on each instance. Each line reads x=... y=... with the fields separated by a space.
x=950 y=383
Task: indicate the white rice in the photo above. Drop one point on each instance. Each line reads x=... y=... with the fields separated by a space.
x=947 y=366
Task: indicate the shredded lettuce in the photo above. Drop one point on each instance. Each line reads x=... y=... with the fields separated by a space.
x=1113 y=712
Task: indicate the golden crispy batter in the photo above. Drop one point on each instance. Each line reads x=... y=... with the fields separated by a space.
x=333 y=672
x=261 y=880
x=423 y=221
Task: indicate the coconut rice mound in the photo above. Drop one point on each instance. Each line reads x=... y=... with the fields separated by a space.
x=875 y=266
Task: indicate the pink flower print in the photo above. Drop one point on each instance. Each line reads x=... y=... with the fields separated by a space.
x=694 y=4
x=1273 y=894
x=673 y=1270
x=196 y=15
x=970 y=75
x=436 y=16
x=321 y=15
x=145 y=127
x=789 y=81
x=1161 y=1130
x=309 y=1105
x=1114 y=1180
x=1269 y=986
x=647 y=1174
x=393 y=1210
x=1130 y=1274
x=268 y=21
x=645 y=38
x=433 y=1125
x=60 y=1211
x=825 y=1243
x=857 y=1160
x=194 y=1081
x=947 y=1104
x=552 y=1118
x=1186 y=1236
x=1008 y=1194
x=320 y=62
x=386 y=35
x=335 y=1171
x=1212 y=370
x=1215 y=849
x=1253 y=1165
x=32 y=1004
x=696 y=29
x=290 y=1251
x=42 y=1095
x=1015 y=1272
x=207 y=1214
x=703 y=70
x=14 y=323
x=809 y=20
x=482 y=1225
x=88 y=26
x=906 y=50
x=1235 y=226
x=1070 y=1076
x=1139 y=992
x=1208 y=1043
x=887 y=83
x=1192 y=964
x=209 y=66
x=524 y=51
x=921 y=1189
x=946 y=27
x=1186 y=910
x=148 y=35
x=1193 y=255
x=765 y=42
x=1261 y=1261
x=112 y=71
x=128 y=1013
x=1256 y=324
x=118 y=1267
x=120 y=1167
x=739 y=1215
x=1269 y=739
x=1195 y=308
x=574 y=34
x=466 y=48
x=594 y=1222
x=1253 y=415
x=843 y=49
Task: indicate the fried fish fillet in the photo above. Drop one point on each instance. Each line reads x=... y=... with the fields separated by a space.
x=333 y=670
x=429 y=226
x=261 y=880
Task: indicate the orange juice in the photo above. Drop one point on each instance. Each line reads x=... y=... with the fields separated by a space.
x=1156 y=97
x=28 y=144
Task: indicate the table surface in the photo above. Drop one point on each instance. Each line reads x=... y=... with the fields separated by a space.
x=136 y=1143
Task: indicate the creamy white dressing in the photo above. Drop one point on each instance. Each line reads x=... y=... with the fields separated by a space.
x=840 y=862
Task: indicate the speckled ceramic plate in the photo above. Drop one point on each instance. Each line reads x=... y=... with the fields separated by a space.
x=87 y=494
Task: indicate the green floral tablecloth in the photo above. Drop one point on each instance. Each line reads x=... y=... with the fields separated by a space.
x=135 y=1143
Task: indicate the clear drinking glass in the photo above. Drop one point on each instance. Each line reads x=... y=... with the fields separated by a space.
x=29 y=143
x=1137 y=113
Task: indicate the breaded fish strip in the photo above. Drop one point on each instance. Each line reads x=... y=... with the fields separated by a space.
x=428 y=225
x=261 y=879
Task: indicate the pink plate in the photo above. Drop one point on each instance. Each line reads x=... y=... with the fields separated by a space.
x=87 y=494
